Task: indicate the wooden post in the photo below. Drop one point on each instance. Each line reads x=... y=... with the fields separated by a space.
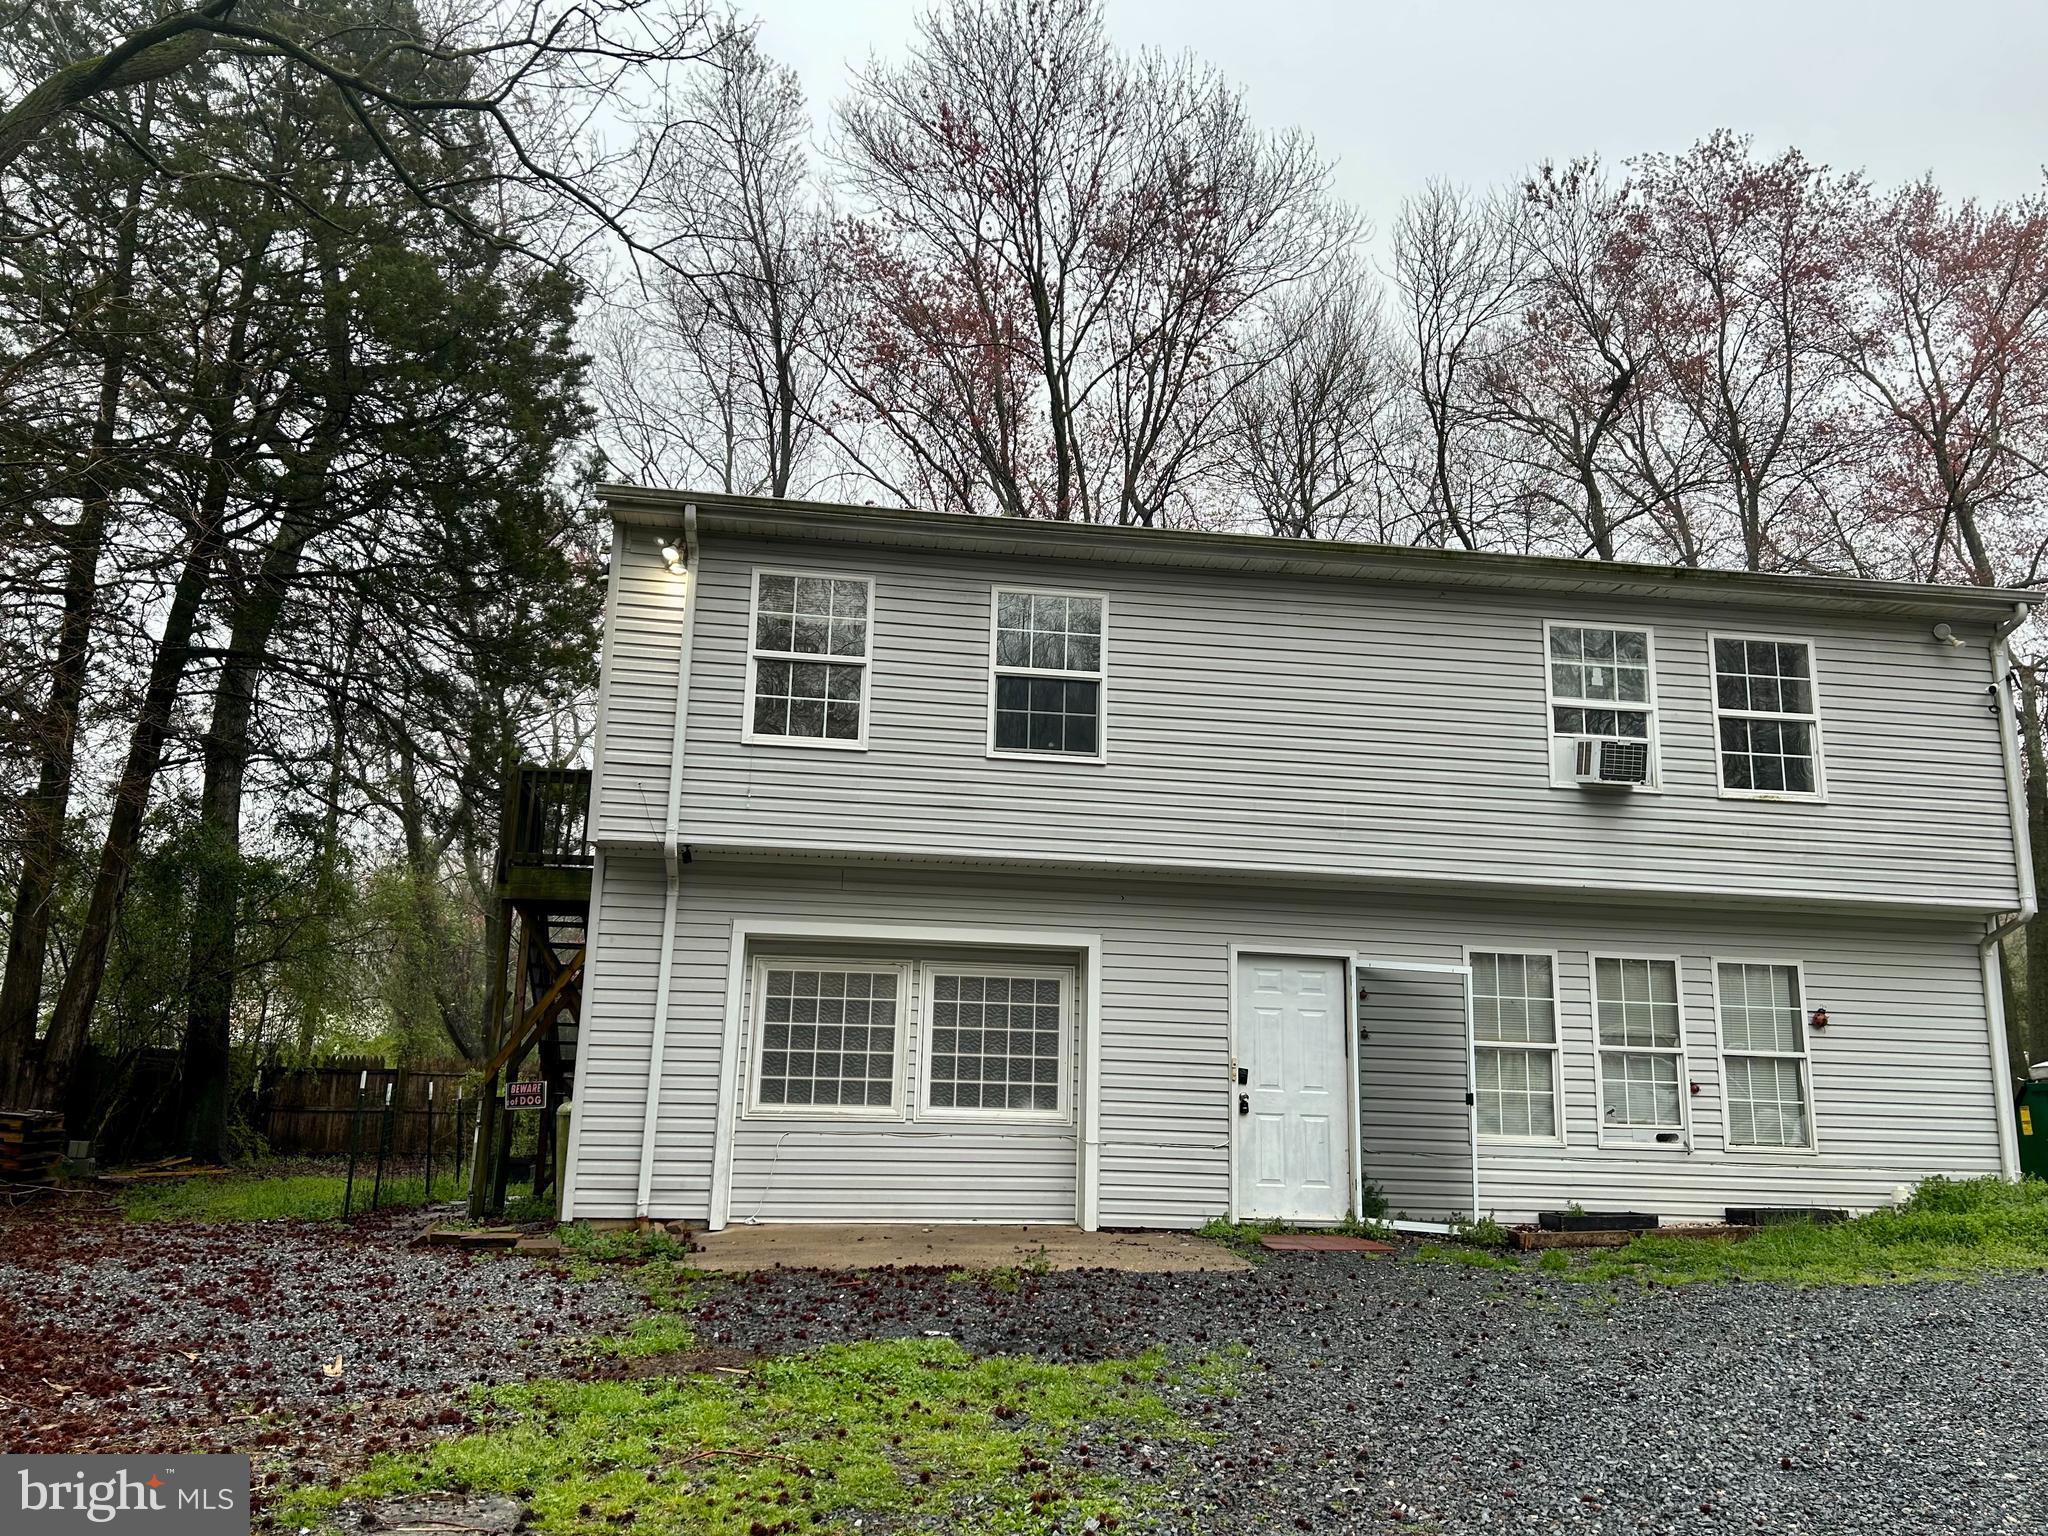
x=497 y=944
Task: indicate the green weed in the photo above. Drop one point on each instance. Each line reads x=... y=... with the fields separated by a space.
x=267 y=1197
x=890 y=1435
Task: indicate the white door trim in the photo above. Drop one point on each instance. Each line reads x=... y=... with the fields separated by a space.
x=1283 y=951
x=1088 y=1022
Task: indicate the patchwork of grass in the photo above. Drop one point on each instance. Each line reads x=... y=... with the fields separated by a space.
x=672 y=1292
x=269 y=1197
x=879 y=1435
x=1949 y=1230
x=1242 y=1237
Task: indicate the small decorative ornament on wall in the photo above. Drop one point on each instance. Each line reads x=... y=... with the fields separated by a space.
x=1819 y=1019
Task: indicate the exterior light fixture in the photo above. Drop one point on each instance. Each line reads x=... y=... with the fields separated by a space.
x=1946 y=635
x=1819 y=1019
x=672 y=557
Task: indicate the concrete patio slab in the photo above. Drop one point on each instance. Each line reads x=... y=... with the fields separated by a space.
x=803 y=1246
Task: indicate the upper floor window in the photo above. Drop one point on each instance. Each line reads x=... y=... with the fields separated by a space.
x=1642 y=1049
x=1600 y=685
x=807 y=675
x=1763 y=1047
x=1766 y=721
x=1514 y=1029
x=1047 y=669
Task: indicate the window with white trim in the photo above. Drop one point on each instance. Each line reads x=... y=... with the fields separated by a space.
x=1046 y=673
x=808 y=670
x=826 y=1037
x=1600 y=684
x=1642 y=1051
x=1765 y=719
x=1763 y=1046
x=996 y=1042
x=1514 y=1029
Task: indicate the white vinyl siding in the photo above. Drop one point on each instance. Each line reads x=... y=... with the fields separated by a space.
x=1767 y=718
x=1514 y=1029
x=1602 y=682
x=1639 y=1028
x=1048 y=674
x=1902 y=1088
x=1269 y=728
x=807 y=676
x=1764 y=1048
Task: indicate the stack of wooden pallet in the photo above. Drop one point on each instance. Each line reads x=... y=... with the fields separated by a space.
x=31 y=1142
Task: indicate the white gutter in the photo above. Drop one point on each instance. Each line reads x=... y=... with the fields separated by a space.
x=2023 y=861
x=671 y=858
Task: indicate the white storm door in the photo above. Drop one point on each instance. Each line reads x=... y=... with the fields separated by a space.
x=1291 y=1099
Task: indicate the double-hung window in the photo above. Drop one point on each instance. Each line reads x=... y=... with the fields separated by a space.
x=1642 y=1049
x=1514 y=1029
x=1766 y=720
x=1600 y=685
x=828 y=1038
x=807 y=673
x=1047 y=671
x=996 y=1043
x=1763 y=1052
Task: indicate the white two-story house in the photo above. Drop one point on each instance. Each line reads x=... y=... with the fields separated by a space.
x=962 y=869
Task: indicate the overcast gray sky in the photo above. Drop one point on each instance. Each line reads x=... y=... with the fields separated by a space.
x=1478 y=90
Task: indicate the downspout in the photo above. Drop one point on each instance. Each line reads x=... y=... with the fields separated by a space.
x=1987 y=947
x=672 y=863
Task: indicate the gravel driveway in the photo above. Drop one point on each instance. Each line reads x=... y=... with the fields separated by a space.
x=1378 y=1395
x=1385 y=1395
x=141 y=1337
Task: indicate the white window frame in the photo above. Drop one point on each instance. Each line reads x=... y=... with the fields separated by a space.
x=1805 y=1056
x=1064 y=975
x=1640 y=1138
x=1559 y=777
x=1556 y=1046
x=757 y=1022
x=1819 y=793
x=755 y=656
x=1100 y=676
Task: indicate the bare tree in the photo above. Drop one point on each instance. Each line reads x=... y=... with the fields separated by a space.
x=1947 y=346
x=1561 y=376
x=1052 y=250
x=1743 y=268
x=1304 y=433
x=427 y=90
x=715 y=377
x=1454 y=273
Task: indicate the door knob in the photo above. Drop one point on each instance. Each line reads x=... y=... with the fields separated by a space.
x=1244 y=1103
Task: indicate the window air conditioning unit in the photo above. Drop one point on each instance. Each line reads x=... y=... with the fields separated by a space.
x=1599 y=761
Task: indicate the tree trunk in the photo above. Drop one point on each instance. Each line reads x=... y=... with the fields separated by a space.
x=204 y=1080
x=28 y=935
x=81 y=989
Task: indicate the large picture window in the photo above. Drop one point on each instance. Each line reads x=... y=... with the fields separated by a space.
x=827 y=1038
x=1642 y=1051
x=1600 y=684
x=808 y=667
x=1514 y=1028
x=1763 y=1049
x=996 y=1042
x=1766 y=721
x=1046 y=675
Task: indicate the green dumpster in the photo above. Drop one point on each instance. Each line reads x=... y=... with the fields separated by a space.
x=2032 y=1114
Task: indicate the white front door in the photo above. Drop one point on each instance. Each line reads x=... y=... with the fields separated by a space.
x=1290 y=1097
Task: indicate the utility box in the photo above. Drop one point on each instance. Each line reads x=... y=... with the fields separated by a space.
x=2032 y=1115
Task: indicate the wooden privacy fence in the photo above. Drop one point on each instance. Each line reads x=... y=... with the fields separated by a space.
x=307 y=1111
